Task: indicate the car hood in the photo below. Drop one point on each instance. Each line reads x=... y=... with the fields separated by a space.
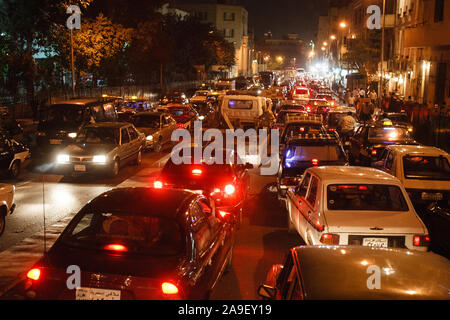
x=88 y=149
x=362 y=221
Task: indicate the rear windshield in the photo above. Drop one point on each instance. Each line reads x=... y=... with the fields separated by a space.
x=296 y=129
x=240 y=104
x=372 y=197
x=149 y=235
x=324 y=152
x=388 y=134
x=66 y=113
x=301 y=91
x=427 y=168
x=178 y=112
x=147 y=121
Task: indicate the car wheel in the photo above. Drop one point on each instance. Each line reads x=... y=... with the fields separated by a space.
x=115 y=168
x=158 y=146
x=138 y=158
x=15 y=169
x=2 y=222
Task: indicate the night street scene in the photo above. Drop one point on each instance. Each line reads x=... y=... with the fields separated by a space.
x=224 y=150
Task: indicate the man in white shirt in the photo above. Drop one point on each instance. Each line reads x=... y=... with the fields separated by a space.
x=346 y=124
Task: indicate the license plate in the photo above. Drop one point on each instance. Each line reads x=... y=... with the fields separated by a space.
x=97 y=294
x=79 y=167
x=375 y=242
x=431 y=196
x=55 y=141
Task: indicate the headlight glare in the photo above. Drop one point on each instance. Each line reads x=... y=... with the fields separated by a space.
x=63 y=158
x=149 y=138
x=99 y=159
x=72 y=135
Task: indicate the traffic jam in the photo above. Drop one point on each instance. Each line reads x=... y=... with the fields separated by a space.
x=354 y=193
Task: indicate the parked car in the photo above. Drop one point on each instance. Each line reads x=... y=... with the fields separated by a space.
x=157 y=128
x=7 y=204
x=59 y=123
x=423 y=170
x=226 y=183
x=437 y=219
x=12 y=156
x=349 y=273
x=102 y=147
x=370 y=140
x=354 y=206
x=138 y=243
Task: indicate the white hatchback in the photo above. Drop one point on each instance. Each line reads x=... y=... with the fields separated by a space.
x=343 y=205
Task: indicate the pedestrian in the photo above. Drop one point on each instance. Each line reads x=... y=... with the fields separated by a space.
x=373 y=96
x=351 y=101
x=362 y=93
x=366 y=111
x=346 y=125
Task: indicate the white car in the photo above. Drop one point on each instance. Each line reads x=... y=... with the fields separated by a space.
x=341 y=205
x=199 y=96
x=7 y=205
x=424 y=171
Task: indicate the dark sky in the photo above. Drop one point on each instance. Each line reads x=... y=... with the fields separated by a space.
x=281 y=16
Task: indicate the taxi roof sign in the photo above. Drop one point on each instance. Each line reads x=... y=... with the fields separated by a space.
x=303 y=118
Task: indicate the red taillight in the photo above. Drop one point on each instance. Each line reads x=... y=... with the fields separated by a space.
x=157 y=185
x=421 y=241
x=331 y=129
x=374 y=152
x=364 y=188
x=169 y=288
x=197 y=172
x=180 y=125
x=315 y=162
x=34 y=274
x=116 y=247
x=308 y=109
x=223 y=214
x=302 y=129
x=329 y=238
x=229 y=189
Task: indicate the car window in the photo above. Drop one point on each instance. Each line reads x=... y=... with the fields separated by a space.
x=426 y=167
x=201 y=229
x=97 y=111
x=304 y=185
x=294 y=289
x=133 y=134
x=390 y=161
x=125 y=136
x=282 y=282
x=312 y=195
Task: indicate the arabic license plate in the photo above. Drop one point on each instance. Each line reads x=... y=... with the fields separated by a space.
x=55 y=141
x=375 y=242
x=79 y=167
x=96 y=294
x=431 y=196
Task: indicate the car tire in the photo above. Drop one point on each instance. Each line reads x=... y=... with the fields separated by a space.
x=14 y=171
x=2 y=221
x=115 y=168
x=138 y=160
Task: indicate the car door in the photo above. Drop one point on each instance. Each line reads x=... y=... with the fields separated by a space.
x=135 y=142
x=298 y=205
x=125 y=146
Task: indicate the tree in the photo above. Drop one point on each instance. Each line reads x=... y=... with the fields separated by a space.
x=363 y=53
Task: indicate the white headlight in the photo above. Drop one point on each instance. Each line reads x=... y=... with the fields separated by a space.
x=72 y=135
x=63 y=158
x=149 y=138
x=201 y=118
x=99 y=159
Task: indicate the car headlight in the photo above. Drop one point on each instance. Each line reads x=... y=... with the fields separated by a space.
x=72 y=135
x=99 y=159
x=201 y=118
x=41 y=134
x=149 y=138
x=63 y=158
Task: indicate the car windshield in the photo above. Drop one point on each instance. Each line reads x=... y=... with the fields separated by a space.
x=366 y=197
x=131 y=233
x=304 y=156
x=98 y=136
x=427 y=168
x=240 y=104
x=146 y=121
x=398 y=117
x=178 y=112
x=389 y=133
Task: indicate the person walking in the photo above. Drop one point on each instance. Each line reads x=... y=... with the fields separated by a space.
x=351 y=101
x=362 y=93
x=366 y=111
x=346 y=125
x=373 y=96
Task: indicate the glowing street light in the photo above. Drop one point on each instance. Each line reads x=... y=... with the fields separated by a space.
x=323 y=48
x=333 y=37
x=343 y=24
x=325 y=43
x=280 y=59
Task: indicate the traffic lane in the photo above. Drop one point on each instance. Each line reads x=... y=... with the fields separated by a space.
x=63 y=196
x=262 y=241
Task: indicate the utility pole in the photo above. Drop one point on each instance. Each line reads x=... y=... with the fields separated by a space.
x=73 y=68
x=380 y=87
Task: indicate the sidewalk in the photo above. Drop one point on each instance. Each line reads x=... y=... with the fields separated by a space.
x=18 y=259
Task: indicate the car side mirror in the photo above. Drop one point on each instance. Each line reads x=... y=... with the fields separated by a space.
x=267 y=292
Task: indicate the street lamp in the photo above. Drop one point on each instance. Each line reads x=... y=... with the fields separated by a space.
x=280 y=59
x=333 y=37
x=342 y=24
x=325 y=43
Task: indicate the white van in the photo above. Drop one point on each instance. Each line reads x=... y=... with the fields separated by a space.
x=243 y=110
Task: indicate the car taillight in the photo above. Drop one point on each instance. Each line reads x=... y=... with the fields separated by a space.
x=169 y=288
x=157 y=185
x=197 y=172
x=421 y=241
x=180 y=125
x=331 y=129
x=302 y=129
x=329 y=238
x=34 y=274
x=315 y=162
x=374 y=152
x=308 y=109
x=229 y=189
x=116 y=247
x=223 y=214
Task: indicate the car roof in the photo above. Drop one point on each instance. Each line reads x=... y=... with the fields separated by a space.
x=343 y=272
x=243 y=97
x=113 y=125
x=346 y=174
x=143 y=200
x=418 y=150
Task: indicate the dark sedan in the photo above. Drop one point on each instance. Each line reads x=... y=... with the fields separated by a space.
x=137 y=243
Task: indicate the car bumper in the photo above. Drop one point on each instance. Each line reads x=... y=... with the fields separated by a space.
x=82 y=168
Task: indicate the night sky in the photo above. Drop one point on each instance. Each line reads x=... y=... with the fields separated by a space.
x=281 y=16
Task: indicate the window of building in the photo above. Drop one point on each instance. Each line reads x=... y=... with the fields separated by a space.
x=228 y=33
x=438 y=10
x=229 y=16
x=201 y=15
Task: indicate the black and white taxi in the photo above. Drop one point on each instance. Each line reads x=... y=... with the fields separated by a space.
x=341 y=205
x=12 y=156
x=423 y=170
